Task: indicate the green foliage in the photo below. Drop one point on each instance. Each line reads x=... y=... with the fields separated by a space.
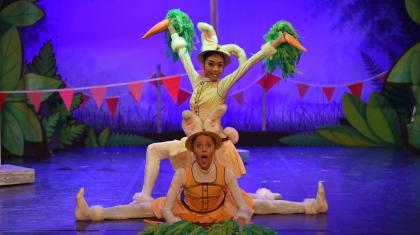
x=12 y=137
x=21 y=13
x=413 y=9
x=32 y=81
x=355 y=111
x=307 y=139
x=91 y=140
x=345 y=135
x=29 y=124
x=50 y=124
x=69 y=134
x=383 y=119
x=19 y=122
x=44 y=63
x=11 y=59
x=185 y=29
x=407 y=68
x=286 y=56
x=117 y=139
x=402 y=100
x=103 y=137
x=187 y=228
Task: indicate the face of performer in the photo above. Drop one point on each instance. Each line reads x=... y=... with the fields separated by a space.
x=214 y=64
x=203 y=149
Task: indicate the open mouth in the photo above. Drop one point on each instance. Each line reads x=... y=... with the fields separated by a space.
x=204 y=157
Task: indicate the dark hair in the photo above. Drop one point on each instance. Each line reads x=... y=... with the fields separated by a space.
x=210 y=53
x=195 y=137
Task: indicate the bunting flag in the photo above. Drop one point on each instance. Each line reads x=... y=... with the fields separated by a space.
x=356 y=89
x=112 y=103
x=67 y=97
x=239 y=97
x=98 y=94
x=35 y=98
x=2 y=99
x=172 y=85
x=155 y=83
x=136 y=89
x=328 y=91
x=302 y=88
x=182 y=96
x=85 y=98
x=268 y=81
x=383 y=76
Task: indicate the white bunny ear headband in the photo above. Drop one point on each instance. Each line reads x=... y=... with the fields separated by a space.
x=193 y=126
x=210 y=44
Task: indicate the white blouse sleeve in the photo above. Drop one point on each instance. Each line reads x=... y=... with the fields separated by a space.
x=244 y=210
x=225 y=84
x=178 y=182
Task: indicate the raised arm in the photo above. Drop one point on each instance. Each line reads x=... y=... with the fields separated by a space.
x=179 y=45
x=244 y=210
x=177 y=183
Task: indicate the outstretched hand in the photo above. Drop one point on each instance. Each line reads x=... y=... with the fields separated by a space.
x=279 y=40
x=241 y=221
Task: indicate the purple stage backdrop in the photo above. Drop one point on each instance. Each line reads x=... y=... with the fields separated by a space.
x=98 y=42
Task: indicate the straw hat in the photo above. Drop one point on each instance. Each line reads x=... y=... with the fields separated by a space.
x=210 y=43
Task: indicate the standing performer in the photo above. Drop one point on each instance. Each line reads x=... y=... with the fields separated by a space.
x=204 y=191
x=208 y=92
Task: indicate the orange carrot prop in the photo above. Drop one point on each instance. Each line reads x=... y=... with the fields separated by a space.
x=294 y=42
x=157 y=28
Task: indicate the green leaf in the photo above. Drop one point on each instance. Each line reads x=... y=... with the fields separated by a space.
x=21 y=13
x=382 y=118
x=355 y=111
x=345 y=135
x=117 y=139
x=306 y=139
x=407 y=69
x=103 y=137
x=27 y=121
x=50 y=124
x=68 y=134
x=34 y=81
x=90 y=140
x=414 y=134
x=12 y=136
x=44 y=63
x=413 y=9
x=77 y=100
x=11 y=59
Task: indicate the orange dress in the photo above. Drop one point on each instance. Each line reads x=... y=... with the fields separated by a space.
x=203 y=202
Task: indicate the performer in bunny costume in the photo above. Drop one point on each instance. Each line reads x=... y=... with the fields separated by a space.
x=208 y=92
x=204 y=191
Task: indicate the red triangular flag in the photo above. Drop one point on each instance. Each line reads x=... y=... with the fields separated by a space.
x=67 y=97
x=112 y=104
x=268 y=81
x=2 y=99
x=172 y=85
x=136 y=90
x=239 y=97
x=182 y=96
x=383 y=76
x=328 y=91
x=302 y=88
x=155 y=83
x=35 y=98
x=85 y=98
x=98 y=94
x=356 y=89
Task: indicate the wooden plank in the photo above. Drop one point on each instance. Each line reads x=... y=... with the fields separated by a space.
x=10 y=175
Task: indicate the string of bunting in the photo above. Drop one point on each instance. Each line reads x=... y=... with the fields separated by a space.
x=178 y=94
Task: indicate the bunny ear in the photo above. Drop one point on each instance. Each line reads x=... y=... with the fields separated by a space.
x=213 y=122
x=208 y=36
x=236 y=51
x=190 y=122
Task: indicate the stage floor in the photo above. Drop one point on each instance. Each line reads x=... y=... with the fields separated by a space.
x=369 y=191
